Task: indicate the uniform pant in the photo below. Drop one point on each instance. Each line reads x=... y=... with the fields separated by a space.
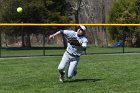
x=72 y=62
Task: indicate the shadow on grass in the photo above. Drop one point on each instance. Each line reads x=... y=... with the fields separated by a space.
x=84 y=80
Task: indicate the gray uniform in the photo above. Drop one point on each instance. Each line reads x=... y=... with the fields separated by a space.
x=72 y=53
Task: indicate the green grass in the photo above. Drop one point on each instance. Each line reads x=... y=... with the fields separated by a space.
x=96 y=74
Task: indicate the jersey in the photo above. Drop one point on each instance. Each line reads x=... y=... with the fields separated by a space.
x=72 y=49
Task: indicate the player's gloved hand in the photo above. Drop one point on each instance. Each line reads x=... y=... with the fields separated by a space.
x=74 y=42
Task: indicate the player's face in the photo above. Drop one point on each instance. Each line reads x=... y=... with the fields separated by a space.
x=80 y=32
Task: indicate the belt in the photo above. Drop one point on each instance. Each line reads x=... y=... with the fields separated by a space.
x=72 y=54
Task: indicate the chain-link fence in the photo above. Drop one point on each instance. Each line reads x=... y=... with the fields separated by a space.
x=22 y=41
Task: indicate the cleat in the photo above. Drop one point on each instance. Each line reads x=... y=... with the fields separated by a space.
x=61 y=77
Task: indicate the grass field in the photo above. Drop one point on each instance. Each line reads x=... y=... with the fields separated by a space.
x=96 y=74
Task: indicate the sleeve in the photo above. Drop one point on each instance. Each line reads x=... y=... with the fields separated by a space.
x=69 y=33
x=61 y=31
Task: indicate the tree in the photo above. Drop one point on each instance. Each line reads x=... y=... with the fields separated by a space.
x=137 y=33
x=123 y=11
x=40 y=11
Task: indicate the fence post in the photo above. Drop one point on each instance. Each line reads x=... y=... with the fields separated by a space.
x=43 y=43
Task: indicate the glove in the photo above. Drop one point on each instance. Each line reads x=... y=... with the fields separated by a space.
x=74 y=41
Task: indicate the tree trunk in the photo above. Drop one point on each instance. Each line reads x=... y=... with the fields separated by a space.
x=28 y=42
x=104 y=37
x=95 y=37
x=22 y=37
x=93 y=11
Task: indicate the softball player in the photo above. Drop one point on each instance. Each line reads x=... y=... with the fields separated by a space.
x=77 y=43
